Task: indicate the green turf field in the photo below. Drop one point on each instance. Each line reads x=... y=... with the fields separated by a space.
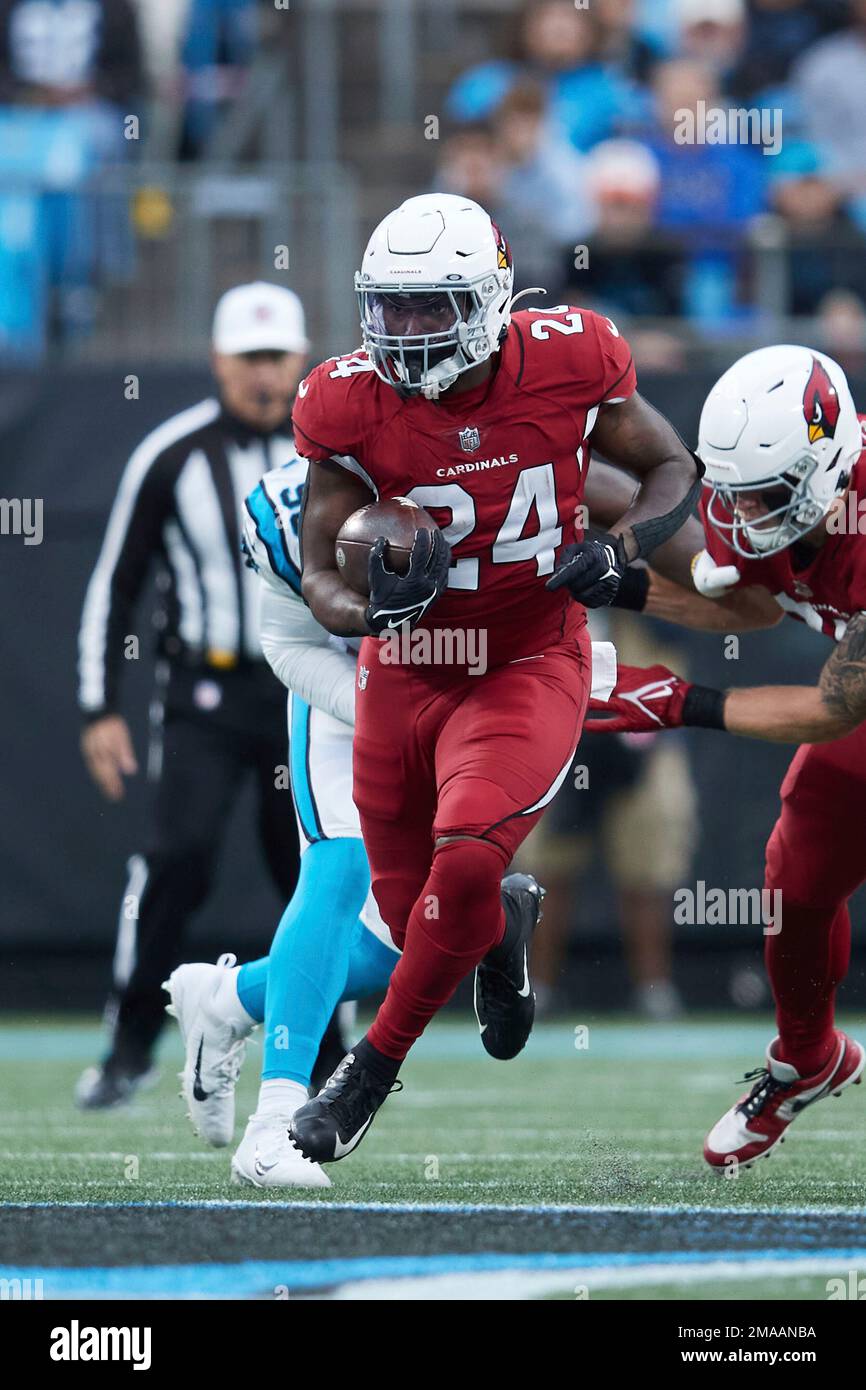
x=574 y=1171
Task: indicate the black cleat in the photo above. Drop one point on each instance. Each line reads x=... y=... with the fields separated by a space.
x=110 y=1084
x=332 y=1050
x=504 y=997
x=335 y=1121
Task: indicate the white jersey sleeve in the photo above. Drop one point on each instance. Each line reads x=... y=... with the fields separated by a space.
x=317 y=667
x=311 y=663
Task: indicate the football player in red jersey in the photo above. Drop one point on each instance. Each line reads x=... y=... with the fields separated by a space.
x=783 y=448
x=486 y=419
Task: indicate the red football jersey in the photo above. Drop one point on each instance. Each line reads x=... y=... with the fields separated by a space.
x=827 y=592
x=501 y=468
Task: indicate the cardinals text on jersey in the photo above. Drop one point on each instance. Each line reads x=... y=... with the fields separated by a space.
x=501 y=468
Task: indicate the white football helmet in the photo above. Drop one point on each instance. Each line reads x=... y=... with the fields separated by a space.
x=782 y=422
x=434 y=291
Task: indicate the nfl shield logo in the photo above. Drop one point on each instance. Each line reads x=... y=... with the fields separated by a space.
x=470 y=439
x=363 y=675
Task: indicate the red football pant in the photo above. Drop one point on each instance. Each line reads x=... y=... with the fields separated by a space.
x=441 y=753
x=816 y=856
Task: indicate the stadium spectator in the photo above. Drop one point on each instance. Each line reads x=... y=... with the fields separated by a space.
x=559 y=46
x=709 y=192
x=218 y=49
x=830 y=82
x=712 y=32
x=841 y=330
x=162 y=26
x=543 y=196
x=778 y=32
x=621 y=42
x=822 y=248
x=531 y=179
x=55 y=54
x=630 y=267
x=470 y=165
x=68 y=75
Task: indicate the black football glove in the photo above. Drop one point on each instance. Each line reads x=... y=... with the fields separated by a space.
x=592 y=570
x=405 y=598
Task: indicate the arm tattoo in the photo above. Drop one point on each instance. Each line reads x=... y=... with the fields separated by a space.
x=843 y=679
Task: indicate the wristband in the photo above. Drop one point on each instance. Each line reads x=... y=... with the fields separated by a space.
x=704 y=708
x=633 y=589
x=90 y=716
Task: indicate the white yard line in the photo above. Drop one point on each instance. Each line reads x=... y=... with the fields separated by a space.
x=581 y=1283
x=462 y=1208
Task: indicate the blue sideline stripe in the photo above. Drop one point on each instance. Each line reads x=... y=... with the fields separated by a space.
x=257 y=1276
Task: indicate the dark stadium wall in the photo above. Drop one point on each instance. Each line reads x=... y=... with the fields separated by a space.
x=65 y=436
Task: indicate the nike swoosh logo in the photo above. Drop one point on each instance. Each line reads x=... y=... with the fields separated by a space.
x=303 y=388
x=398 y=616
x=341 y=1149
x=263 y=1168
x=198 y=1091
x=526 y=986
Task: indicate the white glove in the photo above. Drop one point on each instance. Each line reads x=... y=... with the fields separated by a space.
x=710 y=579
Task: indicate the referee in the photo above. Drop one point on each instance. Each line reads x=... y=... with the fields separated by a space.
x=220 y=717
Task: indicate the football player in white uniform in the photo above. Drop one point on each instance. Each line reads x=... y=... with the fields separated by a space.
x=331 y=943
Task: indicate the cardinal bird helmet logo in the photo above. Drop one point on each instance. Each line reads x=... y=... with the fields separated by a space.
x=820 y=404
x=503 y=250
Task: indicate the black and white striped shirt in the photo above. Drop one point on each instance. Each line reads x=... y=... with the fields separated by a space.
x=179 y=505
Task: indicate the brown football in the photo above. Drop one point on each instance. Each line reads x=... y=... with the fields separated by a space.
x=397 y=519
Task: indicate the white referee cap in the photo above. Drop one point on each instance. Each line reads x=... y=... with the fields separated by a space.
x=257 y=318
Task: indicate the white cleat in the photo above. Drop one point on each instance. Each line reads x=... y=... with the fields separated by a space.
x=266 y=1157
x=215 y=1047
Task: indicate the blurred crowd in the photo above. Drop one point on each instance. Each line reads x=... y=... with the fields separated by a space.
x=571 y=138
x=79 y=79
x=567 y=131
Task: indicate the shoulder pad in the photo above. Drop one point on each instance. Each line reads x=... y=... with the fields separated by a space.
x=271 y=541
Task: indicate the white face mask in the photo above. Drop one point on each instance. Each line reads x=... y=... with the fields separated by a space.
x=797 y=513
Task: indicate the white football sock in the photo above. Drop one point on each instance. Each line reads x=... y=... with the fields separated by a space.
x=280 y=1099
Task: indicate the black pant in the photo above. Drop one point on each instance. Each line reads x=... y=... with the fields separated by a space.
x=218 y=729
